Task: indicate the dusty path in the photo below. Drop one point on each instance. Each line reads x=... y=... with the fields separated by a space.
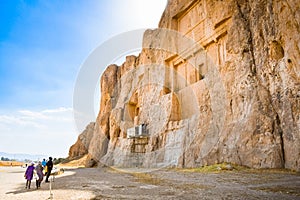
x=12 y=186
x=105 y=183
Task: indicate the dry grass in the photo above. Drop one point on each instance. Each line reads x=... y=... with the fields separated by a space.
x=272 y=171
x=139 y=176
x=147 y=178
x=216 y=168
x=80 y=162
x=223 y=167
x=10 y=163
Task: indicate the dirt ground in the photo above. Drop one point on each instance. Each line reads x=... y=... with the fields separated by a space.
x=108 y=183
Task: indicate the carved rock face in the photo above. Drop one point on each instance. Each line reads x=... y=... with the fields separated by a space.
x=235 y=100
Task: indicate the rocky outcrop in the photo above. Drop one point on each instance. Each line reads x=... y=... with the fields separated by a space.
x=223 y=86
x=80 y=148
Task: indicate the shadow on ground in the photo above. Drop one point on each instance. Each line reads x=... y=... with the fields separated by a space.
x=106 y=183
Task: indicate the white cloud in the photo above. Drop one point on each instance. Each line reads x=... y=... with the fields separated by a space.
x=50 y=131
x=17 y=120
x=58 y=110
x=31 y=115
x=57 y=114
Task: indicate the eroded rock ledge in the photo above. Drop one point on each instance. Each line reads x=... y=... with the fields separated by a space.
x=235 y=100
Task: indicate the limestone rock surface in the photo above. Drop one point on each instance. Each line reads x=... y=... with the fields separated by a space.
x=82 y=144
x=235 y=99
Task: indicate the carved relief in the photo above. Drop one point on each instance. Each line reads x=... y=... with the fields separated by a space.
x=192 y=18
x=193 y=22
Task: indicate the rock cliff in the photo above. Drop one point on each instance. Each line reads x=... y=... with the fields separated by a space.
x=222 y=86
x=80 y=148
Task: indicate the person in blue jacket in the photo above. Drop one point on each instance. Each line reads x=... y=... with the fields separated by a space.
x=44 y=163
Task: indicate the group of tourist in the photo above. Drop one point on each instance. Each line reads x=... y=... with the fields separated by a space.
x=42 y=169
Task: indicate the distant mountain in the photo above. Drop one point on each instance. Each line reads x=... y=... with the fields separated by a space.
x=22 y=157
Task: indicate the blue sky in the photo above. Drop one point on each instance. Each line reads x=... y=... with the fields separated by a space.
x=42 y=46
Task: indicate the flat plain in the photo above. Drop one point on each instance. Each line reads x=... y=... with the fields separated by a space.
x=109 y=183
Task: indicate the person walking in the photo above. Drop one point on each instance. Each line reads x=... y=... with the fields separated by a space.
x=49 y=166
x=44 y=162
x=39 y=172
x=28 y=175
